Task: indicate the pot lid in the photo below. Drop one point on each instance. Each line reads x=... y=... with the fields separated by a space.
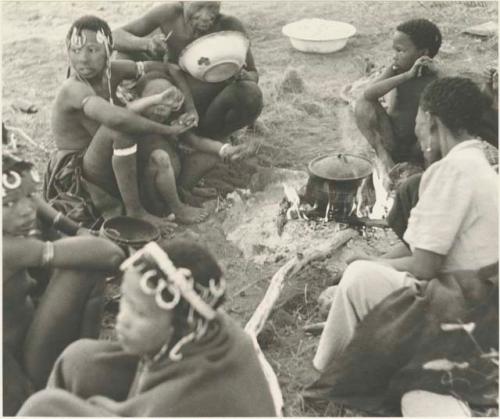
x=340 y=166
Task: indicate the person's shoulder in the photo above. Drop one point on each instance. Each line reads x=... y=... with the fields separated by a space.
x=227 y=22
x=74 y=88
x=167 y=11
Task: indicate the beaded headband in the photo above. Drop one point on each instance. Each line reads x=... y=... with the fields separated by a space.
x=153 y=261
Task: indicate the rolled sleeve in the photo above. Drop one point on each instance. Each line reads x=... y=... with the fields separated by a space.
x=445 y=199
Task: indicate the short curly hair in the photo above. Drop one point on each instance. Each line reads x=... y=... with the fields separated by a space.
x=456 y=101
x=423 y=33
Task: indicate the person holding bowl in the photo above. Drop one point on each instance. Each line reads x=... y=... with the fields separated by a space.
x=219 y=108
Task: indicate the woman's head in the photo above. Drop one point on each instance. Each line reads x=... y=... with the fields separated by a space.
x=201 y=15
x=156 y=83
x=89 y=42
x=453 y=105
x=413 y=39
x=19 y=184
x=143 y=326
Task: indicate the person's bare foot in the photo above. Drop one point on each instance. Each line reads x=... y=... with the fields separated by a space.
x=186 y=214
x=163 y=224
x=189 y=199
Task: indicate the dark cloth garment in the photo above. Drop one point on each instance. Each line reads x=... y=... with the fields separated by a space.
x=219 y=375
x=64 y=187
x=488 y=127
x=391 y=345
x=406 y=198
x=17 y=387
x=18 y=311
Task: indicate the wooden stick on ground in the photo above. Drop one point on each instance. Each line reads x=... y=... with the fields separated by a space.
x=261 y=314
x=26 y=137
x=264 y=309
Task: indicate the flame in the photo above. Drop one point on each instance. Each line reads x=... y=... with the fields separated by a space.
x=374 y=203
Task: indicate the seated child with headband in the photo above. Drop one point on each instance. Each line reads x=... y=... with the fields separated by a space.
x=177 y=354
x=164 y=168
x=70 y=308
x=85 y=112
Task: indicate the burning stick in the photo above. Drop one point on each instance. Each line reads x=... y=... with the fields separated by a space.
x=264 y=309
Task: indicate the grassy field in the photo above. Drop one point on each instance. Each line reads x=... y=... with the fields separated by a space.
x=303 y=117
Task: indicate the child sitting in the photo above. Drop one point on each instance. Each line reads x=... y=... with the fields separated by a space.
x=391 y=133
x=70 y=307
x=176 y=355
x=163 y=169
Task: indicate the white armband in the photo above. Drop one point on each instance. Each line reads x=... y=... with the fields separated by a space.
x=122 y=152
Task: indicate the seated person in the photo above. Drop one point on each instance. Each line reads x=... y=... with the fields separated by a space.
x=222 y=107
x=450 y=227
x=176 y=355
x=391 y=132
x=84 y=113
x=69 y=308
x=162 y=174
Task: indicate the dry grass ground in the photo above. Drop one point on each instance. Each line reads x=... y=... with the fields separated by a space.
x=301 y=122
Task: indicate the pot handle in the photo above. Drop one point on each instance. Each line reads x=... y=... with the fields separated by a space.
x=343 y=157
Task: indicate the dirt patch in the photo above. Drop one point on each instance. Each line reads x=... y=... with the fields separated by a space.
x=304 y=117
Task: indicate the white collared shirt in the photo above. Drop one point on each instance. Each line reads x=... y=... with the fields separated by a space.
x=457 y=212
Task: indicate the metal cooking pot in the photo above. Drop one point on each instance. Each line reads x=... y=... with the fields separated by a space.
x=335 y=179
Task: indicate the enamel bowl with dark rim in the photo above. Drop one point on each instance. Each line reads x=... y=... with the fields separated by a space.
x=129 y=231
x=215 y=57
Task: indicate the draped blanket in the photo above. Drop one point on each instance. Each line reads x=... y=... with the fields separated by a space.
x=218 y=376
x=440 y=336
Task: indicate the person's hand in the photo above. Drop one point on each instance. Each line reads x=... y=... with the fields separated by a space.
x=191 y=116
x=232 y=153
x=182 y=124
x=157 y=45
x=420 y=64
x=171 y=97
x=188 y=119
x=490 y=85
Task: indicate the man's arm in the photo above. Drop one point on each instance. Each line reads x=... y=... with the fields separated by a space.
x=203 y=144
x=128 y=69
x=180 y=81
x=130 y=38
x=83 y=252
x=422 y=264
x=388 y=81
x=78 y=96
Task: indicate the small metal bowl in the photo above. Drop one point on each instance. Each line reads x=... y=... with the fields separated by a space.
x=129 y=231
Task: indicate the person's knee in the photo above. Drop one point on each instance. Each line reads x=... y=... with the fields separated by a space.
x=364 y=112
x=251 y=97
x=356 y=277
x=42 y=403
x=159 y=160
